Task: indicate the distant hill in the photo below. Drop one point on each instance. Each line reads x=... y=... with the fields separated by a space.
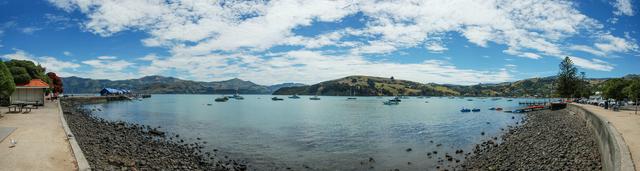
x=351 y=85
x=374 y=86
x=164 y=85
x=273 y=88
x=367 y=86
x=540 y=87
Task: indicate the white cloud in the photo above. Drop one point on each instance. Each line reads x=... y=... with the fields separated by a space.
x=436 y=48
x=303 y=66
x=609 y=43
x=108 y=64
x=511 y=51
x=375 y=47
x=50 y=63
x=107 y=57
x=149 y=57
x=214 y=40
x=587 y=49
x=60 y=22
x=67 y=53
x=106 y=68
x=594 y=64
x=623 y=7
x=30 y=30
x=208 y=26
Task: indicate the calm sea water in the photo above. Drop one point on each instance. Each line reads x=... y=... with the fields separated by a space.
x=328 y=134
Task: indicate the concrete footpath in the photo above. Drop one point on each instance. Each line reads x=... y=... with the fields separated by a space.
x=41 y=141
x=627 y=124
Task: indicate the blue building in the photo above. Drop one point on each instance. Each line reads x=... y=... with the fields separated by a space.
x=113 y=91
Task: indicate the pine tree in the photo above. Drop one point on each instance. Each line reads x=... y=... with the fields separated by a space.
x=567 y=79
x=7 y=86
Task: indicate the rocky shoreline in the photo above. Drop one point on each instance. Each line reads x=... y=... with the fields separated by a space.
x=548 y=140
x=111 y=145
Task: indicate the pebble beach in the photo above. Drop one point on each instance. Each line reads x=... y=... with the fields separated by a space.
x=548 y=140
x=110 y=145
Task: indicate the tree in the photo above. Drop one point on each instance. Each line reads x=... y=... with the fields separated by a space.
x=56 y=83
x=7 y=86
x=583 y=86
x=32 y=70
x=612 y=89
x=632 y=91
x=567 y=80
x=20 y=75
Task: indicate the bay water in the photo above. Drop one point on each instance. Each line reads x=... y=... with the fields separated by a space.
x=333 y=133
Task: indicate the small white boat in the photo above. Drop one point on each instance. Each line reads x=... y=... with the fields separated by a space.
x=390 y=102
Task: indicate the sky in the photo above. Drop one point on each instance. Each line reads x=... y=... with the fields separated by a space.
x=268 y=42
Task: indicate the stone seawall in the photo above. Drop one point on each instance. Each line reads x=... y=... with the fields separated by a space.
x=613 y=150
x=96 y=99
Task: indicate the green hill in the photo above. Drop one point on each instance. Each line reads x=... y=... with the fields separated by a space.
x=368 y=86
x=375 y=86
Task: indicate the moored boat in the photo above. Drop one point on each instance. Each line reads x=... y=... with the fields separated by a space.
x=295 y=96
x=276 y=99
x=221 y=99
x=464 y=110
x=390 y=102
x=475 y=110
x=314 y=98
x=237 y=97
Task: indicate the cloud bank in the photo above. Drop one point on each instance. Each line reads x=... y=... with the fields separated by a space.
x=224 y=39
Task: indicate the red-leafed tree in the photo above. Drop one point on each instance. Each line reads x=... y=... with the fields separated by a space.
x=56 y=83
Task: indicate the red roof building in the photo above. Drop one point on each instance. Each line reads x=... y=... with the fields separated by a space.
x=35 y=83
x=30 y=93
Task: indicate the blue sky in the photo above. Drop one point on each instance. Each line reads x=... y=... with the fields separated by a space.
x=441 y=41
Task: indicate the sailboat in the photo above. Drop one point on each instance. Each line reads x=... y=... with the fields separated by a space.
x=316 y=96
x=351 y=98
x=237 y=96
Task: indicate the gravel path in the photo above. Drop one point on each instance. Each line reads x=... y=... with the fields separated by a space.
x=123 y=146
x=549 y=140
